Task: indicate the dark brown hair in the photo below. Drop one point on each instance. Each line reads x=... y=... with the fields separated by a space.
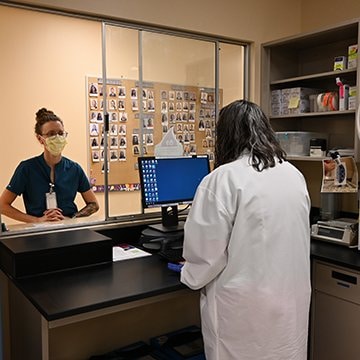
x=243 y=127
x=43 y=116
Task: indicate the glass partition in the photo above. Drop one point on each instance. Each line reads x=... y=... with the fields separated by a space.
x=148 y=81
x=44 y=62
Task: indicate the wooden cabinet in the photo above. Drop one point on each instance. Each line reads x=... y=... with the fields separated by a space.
x=335 y=314
x=307 y=60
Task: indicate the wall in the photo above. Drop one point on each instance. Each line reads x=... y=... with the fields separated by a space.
x=256 y=21
x=322 y=13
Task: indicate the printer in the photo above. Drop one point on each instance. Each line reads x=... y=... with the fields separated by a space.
x=343 y=231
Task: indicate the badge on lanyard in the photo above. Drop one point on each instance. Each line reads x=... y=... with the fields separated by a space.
x=51 y=202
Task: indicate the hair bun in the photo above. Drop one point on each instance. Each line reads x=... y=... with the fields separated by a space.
x=42 y=111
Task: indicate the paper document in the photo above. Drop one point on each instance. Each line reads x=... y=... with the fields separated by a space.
x=126 y=251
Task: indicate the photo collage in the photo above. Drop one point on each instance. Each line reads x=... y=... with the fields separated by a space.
x=189 y=110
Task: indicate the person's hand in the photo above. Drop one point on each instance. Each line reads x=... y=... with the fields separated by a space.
x=52 y=215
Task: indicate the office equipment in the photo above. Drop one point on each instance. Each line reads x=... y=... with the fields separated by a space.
x=169 y=182
x=49 y=252
x=342 y=231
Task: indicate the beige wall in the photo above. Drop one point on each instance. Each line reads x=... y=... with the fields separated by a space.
x=322 y=13
x=256 y=21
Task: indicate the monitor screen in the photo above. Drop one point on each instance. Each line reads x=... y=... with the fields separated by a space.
x=171 y=181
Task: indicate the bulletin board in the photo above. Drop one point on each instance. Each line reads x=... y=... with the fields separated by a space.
x=189 y=109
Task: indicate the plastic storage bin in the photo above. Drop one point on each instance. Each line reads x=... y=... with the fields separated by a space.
x=297 y=143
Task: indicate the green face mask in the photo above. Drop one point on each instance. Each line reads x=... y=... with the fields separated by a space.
x=55 y=144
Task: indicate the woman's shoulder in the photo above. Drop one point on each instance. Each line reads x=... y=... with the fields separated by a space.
x=31 y=161
x=70 y=164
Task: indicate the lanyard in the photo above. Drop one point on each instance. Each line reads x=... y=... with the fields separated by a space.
x=52 y=185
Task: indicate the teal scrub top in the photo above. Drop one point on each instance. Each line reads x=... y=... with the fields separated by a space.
x=31 y=179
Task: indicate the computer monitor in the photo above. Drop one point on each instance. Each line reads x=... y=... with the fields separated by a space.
x=169 y=182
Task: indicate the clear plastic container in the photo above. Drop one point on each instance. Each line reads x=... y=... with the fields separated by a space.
x=297 y=143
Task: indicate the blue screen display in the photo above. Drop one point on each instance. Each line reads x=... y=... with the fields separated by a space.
x=167 y=181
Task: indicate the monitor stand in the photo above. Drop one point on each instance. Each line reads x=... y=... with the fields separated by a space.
x=170 y=220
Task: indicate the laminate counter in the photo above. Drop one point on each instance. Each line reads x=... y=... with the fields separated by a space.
x=336 y=254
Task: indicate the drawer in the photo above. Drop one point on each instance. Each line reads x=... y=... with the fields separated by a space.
x=337 y=281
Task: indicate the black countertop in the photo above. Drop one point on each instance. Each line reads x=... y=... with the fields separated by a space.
x=336 y=254
x=67 y=293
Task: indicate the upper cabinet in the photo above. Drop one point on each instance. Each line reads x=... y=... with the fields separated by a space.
x=300 y=91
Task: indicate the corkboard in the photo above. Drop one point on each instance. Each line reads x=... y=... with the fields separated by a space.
x=189 y=109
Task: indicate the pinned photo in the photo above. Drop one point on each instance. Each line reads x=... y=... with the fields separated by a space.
x=121 y=91
x=94 y=143
x=151 y=105
x=113 y=129
x=134 y=105
x=149 y=123
x=112 y=104
x=112 y=92
x=122 y=155
x=121 y=105
x=113 y=142
x=163 y=94
x=122 y=129
x=179 y=95
x=95 y=156
x=113 y=155
x=136 y=150
x=149 y=139
x=135 y=139
x=94 y=104
x=93 y=89
x=113 y=116
x=92 y=116
x=94 y=129
x=122 y=143
x=133 y=93
x=123 y=116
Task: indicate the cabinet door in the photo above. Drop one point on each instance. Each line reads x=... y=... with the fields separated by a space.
x=335 y=328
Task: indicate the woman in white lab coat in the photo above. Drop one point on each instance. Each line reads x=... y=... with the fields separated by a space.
x=247 y=245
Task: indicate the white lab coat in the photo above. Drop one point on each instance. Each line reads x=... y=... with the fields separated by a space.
x=247 y=246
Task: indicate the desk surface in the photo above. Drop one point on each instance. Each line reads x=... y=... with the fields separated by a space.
x=73 y=292
x=336 y=254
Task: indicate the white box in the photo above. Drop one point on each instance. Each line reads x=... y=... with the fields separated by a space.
x=340 y=63
x=299 y=101
x=352 y=56
x=352 y=97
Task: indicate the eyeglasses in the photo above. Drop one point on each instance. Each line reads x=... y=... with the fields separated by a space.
x=54 y=133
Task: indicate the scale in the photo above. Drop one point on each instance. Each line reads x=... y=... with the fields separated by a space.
x=342 y=231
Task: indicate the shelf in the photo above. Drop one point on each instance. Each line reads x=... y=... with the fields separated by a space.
x=318 y=76
x=307 y=61
x=316 y=114
x=305 y=158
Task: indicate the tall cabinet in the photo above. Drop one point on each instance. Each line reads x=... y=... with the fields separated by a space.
x=307 y=61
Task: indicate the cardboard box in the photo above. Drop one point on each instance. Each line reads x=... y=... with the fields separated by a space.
x=340 y=63
x=299 y=101
x=352 y=56
x=352 y=97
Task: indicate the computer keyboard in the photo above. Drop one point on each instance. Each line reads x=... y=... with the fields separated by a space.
x=172 y=254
